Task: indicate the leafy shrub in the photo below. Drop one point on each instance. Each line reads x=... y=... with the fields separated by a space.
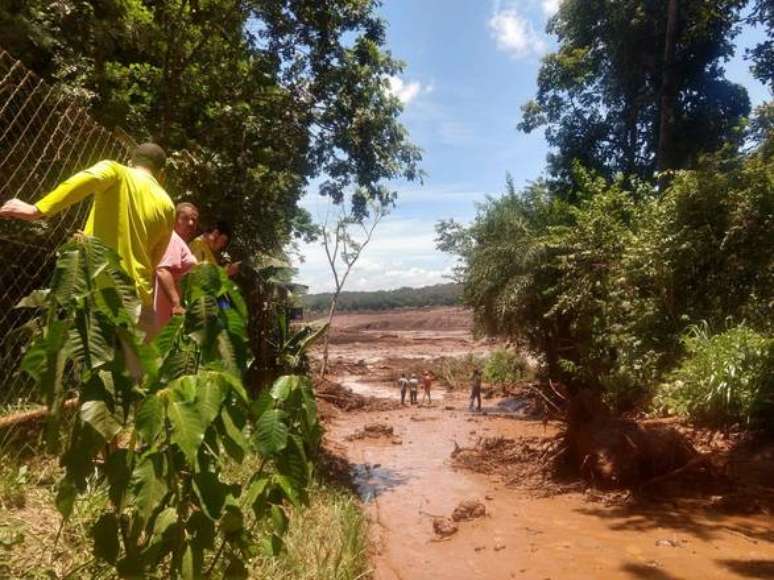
x=725 y=378
x=604 y=288
x=159 y=421
x=505 y=367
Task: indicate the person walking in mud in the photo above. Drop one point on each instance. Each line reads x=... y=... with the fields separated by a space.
x=403 y=383
x=427 y=382
x=413 y=388
x=475 y=389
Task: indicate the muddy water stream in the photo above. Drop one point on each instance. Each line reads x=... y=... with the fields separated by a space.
x=408 y=481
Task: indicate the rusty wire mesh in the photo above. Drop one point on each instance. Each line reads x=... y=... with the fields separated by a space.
x=45 y=137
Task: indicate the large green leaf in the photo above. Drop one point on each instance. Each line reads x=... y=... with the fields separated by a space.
x=149 y=484
x=255 y=491
x=210 y=394
x=201 y=530
x=211 y=493
x=293 y=465
x=78 y=459
x=179 y=363
x=187 y=427
x=118 y=469
x=202 y=322
x=105 y=534
x=170 y=336
x=233 y=438
x=205 y=280
x=283 y=386
x=162 y=538
x=69 y=282
x=35 y=299
x=150 y=419
x=101 y=419
x=65 y=497
x=45 y=362
x=235 y=385
x=302 y=340
x=263 y=403
x=187 y=566
x=271 y=432
x=289 y=489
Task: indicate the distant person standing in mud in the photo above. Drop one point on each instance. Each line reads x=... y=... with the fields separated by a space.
x=413 y=388
x=475 y=389
x=427 y=382
x=403 y=383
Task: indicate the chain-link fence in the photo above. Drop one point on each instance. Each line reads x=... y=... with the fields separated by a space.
x=44 y=138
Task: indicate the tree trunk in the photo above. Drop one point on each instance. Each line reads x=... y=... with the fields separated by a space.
x=668 y=92
x=331 y=313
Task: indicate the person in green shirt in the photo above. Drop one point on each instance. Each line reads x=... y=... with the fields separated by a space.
x=131 y=213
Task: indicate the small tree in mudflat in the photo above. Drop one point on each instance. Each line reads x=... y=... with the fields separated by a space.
x=344 y=241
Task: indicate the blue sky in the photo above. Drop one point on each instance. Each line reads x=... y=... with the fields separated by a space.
x=470 y=64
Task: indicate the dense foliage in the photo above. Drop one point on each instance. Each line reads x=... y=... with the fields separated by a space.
x=505 y=367
x=656 y=217
x=254 y=97
x=436 y=295
x=605 y=289
x=725 y=378
x=602 y=94
x=157 y=423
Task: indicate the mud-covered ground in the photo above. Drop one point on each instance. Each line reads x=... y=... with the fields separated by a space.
x=413 y=466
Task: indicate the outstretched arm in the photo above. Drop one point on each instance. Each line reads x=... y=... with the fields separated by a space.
x=94 y=180
x=20 y=210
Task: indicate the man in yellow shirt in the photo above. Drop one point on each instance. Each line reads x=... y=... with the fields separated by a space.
x=131 y=213
x=213 y=241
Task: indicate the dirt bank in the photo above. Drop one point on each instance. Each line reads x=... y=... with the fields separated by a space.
x=410 y=482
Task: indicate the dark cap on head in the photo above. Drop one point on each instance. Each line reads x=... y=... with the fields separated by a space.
x=150 y=156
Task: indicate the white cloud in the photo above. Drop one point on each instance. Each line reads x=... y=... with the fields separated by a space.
x=550 y=7
x=515 y=34
x=406 y=91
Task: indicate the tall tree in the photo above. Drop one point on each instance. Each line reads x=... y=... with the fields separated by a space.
x=343 y=249
x=254 y=97
x=669 y=83
x=599 y=95
x=762 y=55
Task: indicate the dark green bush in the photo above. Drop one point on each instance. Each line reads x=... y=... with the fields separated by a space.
x=505 y=367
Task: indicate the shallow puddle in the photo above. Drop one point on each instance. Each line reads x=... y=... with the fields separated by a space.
x=372 y=480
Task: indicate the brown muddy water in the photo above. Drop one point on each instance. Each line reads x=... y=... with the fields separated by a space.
x=408 y=481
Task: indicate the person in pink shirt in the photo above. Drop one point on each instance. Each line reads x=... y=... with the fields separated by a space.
x=176 y=263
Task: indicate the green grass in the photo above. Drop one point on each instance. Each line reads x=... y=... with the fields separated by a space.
x=327 y=540
x=33 y=541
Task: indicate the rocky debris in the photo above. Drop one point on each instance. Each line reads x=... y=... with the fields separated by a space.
x=444 y=527
x=469 y=509
x=667 y=544
x=373 y=431
x=343 y=398
x=526 y=462
x=499 y=546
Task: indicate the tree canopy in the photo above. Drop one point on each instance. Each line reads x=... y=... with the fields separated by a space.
x=601 y=94
x=255 y=98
